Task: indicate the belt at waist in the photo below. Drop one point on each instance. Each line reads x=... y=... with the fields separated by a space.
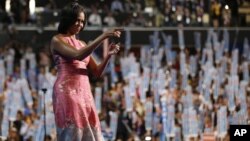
x=72 y=71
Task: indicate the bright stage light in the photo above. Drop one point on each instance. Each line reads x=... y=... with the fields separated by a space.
x=148 y=138
x=7 y=5
x=32 y=6
x=226 y=7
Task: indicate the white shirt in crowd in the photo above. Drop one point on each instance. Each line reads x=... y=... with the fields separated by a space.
x=109 y=20
x=95 y=19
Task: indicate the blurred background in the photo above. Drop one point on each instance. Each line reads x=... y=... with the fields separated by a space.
x=182 y=73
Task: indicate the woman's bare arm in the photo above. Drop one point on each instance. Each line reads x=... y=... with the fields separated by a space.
x=62 y=47
x=96 y=68
x=59 y=45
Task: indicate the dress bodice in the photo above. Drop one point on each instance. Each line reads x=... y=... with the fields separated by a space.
x=66 y=64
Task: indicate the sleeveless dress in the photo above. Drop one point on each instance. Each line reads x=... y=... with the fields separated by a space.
x=73 y=104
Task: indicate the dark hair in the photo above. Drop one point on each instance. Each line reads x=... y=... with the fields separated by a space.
x=68 y=16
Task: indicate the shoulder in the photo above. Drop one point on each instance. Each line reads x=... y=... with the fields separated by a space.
x=58 y=38
x=55 y=38
x=53 y=42
x=56 y=42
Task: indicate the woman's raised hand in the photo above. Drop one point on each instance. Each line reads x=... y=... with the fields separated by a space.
x=113 y=48
x=116 y=32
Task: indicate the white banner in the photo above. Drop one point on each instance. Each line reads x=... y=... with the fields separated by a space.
x=98 y=99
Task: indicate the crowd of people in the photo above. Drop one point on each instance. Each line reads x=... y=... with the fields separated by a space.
x=158 y=92
x=146 y=13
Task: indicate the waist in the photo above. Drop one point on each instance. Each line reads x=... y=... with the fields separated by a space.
x=72 y=69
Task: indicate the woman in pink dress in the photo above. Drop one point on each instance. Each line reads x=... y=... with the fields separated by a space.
x=74 y=108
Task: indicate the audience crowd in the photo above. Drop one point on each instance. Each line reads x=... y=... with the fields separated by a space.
x=156 y=92
x=146 y=13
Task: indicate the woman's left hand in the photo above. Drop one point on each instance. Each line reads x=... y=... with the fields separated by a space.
x=113 y=48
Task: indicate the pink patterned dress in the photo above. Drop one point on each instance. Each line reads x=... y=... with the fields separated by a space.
x=73 y=103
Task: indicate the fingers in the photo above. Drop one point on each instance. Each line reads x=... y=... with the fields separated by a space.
x=116 y=49
x=117 y=34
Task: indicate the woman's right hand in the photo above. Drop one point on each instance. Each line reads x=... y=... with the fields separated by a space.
x=116 y=32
